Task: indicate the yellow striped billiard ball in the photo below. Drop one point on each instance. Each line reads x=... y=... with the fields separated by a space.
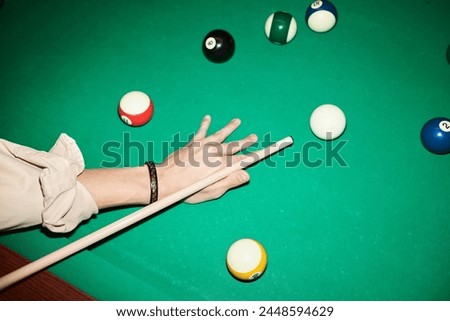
x=246 y=259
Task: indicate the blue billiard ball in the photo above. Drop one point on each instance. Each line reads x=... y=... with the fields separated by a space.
x=321 y=16
x=435 y=135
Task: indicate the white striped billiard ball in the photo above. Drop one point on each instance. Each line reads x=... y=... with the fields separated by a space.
x=136 y=108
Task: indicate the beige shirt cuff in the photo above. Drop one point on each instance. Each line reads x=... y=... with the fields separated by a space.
x=41 y=187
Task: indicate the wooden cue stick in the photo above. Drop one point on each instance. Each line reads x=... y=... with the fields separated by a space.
x=138 y=215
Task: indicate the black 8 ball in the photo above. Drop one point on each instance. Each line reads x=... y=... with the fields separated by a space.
x=218 y=46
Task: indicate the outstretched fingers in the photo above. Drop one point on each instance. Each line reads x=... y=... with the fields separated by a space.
x=221 y=135
x=202 y=132
x=239 y=145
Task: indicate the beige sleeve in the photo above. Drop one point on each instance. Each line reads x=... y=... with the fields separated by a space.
x=39 y=187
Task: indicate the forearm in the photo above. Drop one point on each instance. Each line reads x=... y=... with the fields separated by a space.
x=112 y=187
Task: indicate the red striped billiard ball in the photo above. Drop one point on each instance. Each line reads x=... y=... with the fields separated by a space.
x=136 y=108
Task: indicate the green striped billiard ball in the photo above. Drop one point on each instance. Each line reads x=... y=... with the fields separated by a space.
x=281 y=27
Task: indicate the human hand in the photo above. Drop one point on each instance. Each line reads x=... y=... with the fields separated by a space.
x=201 y=157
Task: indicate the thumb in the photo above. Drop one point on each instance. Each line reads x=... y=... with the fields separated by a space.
x=219 y=188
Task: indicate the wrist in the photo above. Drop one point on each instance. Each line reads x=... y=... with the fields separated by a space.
x=163 y=183
x=153 y=179
x=139 y=179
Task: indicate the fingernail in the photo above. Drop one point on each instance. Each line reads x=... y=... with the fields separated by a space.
x=206 y=120
x=253 y=137
x=243 y=177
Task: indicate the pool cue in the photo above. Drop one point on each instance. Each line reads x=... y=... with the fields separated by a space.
x=147 y=211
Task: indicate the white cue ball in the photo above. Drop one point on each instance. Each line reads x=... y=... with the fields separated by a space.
x=246 y=259
x=136 y=108
x=327 y=122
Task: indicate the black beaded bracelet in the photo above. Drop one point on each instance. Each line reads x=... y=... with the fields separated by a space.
x=153 y=181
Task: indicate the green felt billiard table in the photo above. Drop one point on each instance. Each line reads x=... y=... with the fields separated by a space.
x=363 y=217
